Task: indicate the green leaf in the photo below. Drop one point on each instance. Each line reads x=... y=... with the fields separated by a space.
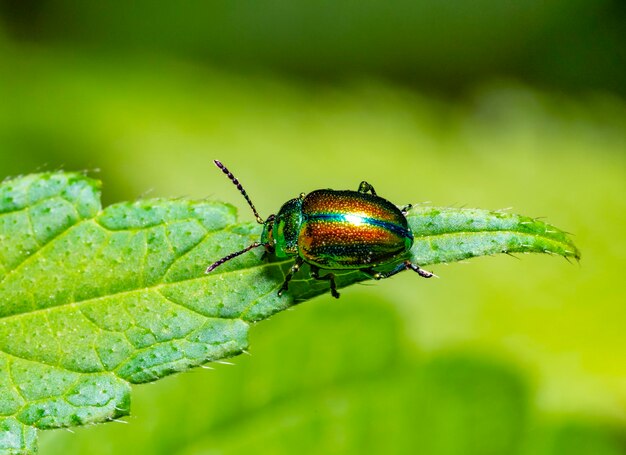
x=93 y=300
x=449 y=234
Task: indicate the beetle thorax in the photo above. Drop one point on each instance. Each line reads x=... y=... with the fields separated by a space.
x=282 y=232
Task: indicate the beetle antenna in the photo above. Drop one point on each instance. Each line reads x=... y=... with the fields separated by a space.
x=233 y=179
x=232 y=255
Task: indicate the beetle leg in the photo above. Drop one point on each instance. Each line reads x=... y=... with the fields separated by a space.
x=406 y=265
x=294 y=268
x=364 y=187
x=416 y=268
x=315 y=273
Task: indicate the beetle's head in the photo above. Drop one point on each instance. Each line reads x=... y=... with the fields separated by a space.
x=267 y=237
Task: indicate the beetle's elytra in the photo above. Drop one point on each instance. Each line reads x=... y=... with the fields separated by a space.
x=335 y=230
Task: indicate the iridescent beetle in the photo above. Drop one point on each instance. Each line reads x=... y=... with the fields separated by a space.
x=335 y=230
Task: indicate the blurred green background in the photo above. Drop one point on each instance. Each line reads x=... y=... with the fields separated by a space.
x=484 y=104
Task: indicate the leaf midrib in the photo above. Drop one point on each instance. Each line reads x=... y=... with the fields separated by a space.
x=159 y=286
x=156 y=287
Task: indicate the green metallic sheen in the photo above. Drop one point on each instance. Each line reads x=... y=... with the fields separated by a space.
x=281 y=232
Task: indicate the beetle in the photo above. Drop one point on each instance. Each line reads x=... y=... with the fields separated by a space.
x=334 y=230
